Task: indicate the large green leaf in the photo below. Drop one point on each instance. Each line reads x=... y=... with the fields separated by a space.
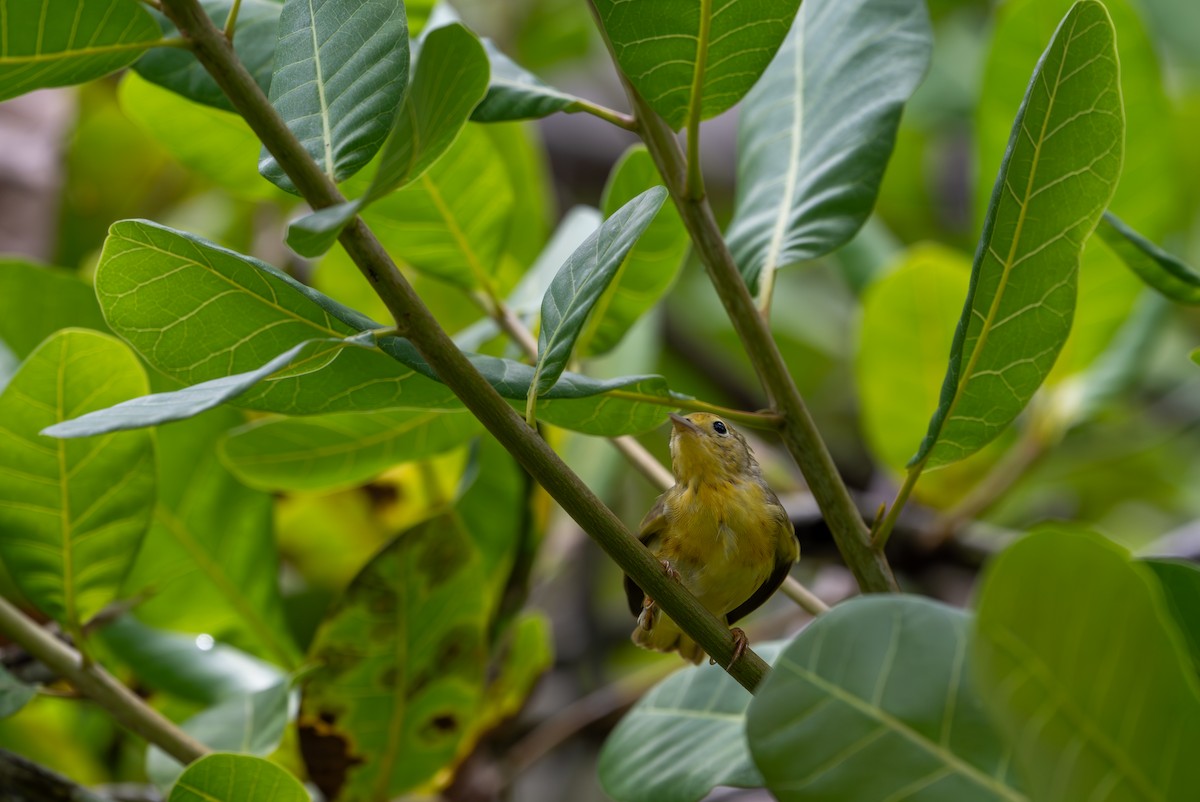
x=402 y=661
x=251 y=724
x=1058 y=175
x=73 y=512
x=329 y=452
x=222 y=777
x=60 y=42
x=453 y=221
x=907 y=326
x=816 y=133
x=226 y=154
x=178 y=70
x=1180 y=581
x=37 y=301
x=209 y=564
x=581 y=281
x=695 y=58
x=1148 y=196
x=450 y=78
x=1162 y=271
x=872 y=701
x=202 y=313
x=683 y=739
x=340 y=73
x=1077 y=658
x=650 y=267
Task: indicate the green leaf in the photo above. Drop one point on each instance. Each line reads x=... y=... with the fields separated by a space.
x=650 y=267
x=452 y=222
x=14 y=694
x=1159 y=269
x=221 y=777
x=200 y=313
x=1062 y=164
x=402 y=661
x=329 y=452
x=450 y=78
x=1094 y=687
x=580 y=282
x=177 y=69
x=1180 y=581
x=61 y=42
x=906 y=329
x=225 y=155
x=871 y=701
x=683 y=739
x=515 y=93
x=209 y=563
x=73 y=512
x=694 y=58
x=815 y=134
x=190 y=667
x=249 y=724
x=1150 y=195
x=340 y=74
x=37 y=301
x=528 y=653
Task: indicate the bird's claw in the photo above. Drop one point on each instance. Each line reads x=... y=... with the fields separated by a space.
x=740 y=643
x=670 y=571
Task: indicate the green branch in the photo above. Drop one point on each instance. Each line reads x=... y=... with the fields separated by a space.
x=415 y=321
x=798 y=431
x=93 y=681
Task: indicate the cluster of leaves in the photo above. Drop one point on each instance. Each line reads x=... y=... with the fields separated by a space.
x=423 y=651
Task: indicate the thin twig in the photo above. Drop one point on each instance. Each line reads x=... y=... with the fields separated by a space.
x=809 y=601
x=101 y=687
x=617 y=118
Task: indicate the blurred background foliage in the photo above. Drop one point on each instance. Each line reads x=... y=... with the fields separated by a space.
x=1125 y=464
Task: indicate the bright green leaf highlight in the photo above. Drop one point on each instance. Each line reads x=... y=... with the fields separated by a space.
x=872 y=701
x=581 y=281
x=73 y=512
x=402 y=659
x=341 y=70
x=816 y=132
x=222 y=777
x=1159 y=269
x=649 y=269
x=37 y=301
x=695 y=58
x=225 y=155
x=665 y=748
x=61 y=42
x=906 y=331
x=328 y=452
x=1078 y=661
x=1058 y=175
x=178 y=70
x=209 y=564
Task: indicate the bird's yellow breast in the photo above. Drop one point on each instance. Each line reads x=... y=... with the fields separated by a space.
x=720 y=536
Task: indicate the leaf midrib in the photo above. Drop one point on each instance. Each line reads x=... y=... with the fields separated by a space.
x=904 y=731
x=994 y=309
x=326 y=134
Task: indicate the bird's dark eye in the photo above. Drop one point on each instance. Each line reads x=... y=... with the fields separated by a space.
x=719 y=427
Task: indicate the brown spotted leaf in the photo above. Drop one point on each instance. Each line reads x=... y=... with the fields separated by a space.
x=402 y=658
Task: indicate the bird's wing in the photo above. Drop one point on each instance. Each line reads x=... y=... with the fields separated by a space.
x=649 y=532
x=787 y=551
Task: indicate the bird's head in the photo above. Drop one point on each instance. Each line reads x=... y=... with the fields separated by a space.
x=706 y=448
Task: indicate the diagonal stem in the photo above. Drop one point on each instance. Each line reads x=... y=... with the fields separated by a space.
x=415 y=321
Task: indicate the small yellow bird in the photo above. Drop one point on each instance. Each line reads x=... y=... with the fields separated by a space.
x=719 y=530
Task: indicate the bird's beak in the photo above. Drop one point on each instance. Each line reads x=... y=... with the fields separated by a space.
x=682 y=424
